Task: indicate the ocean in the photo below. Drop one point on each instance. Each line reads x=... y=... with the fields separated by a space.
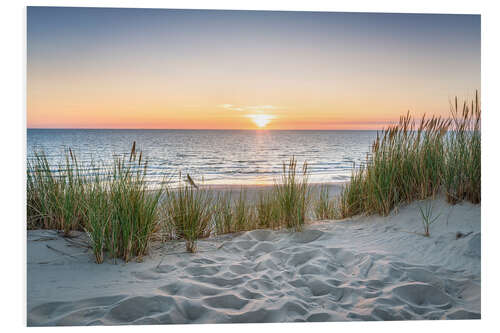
x=221 y=157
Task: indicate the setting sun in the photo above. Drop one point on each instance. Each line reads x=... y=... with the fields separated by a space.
x=261 y=120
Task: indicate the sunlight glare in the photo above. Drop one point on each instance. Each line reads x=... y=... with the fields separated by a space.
x=261 y=120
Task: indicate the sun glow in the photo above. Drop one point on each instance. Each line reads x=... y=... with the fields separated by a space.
x=261 y=120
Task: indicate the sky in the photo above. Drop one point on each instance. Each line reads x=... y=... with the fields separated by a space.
x=202 y=69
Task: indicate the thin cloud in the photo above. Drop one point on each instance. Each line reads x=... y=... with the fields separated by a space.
x=252 y=108
x=262 y=116
x=262 y=107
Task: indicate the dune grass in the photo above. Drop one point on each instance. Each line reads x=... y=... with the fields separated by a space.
x=53 y=195
x=134 y=214
x=243 y=213
x=189 y=211
x=113 y=205
x=324 y=207
x=240 y=214
x=267 y=210
x=284 y=206
x=98 y=214
x=462 y=174
x=409 y=162
x=192 y=212
x=223 y=214
x=293 y=195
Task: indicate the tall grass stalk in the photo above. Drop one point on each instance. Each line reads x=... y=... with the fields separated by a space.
x=413 y=162
x=189 y=213
x=268 y=210
x=98 y=213
x=223 y=214
x=462 y=176
x=243 y=213
x=293 y=195
x=324 y=208
x=54 y=197
x=134 y=210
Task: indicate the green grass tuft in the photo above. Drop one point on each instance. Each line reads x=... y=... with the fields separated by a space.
x=223 y=214
x=409 y=162
x=116 y=209
x=189 y=211
x=324 y=207
x=293 y=194
x=268 y=210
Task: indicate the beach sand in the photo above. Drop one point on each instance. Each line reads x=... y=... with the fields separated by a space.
x=363 y=268
x=252 y=191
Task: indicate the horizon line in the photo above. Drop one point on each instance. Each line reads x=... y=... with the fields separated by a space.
x=200 y=129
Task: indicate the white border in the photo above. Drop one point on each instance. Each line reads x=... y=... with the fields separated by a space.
x=13 y=144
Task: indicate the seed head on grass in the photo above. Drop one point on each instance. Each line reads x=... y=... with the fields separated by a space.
x=189 y=213
x=134 y=211
x=117 y=211
x=409 y=162
x=462 y=176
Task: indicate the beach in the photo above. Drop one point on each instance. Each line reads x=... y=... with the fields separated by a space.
x=359 y=268
x=192 y=166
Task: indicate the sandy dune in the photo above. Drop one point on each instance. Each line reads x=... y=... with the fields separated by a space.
x=365 y=268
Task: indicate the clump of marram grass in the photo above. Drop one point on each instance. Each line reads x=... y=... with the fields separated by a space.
x=293 y=195
x=223 y=214
x=114 y=206
x=134 y=214
x=409 y=162
x=243 y=213
x=41 y=188
x=121 y=212
x=98 y=216
x=236 y=215
x=462 y=175
x=54 y=196
x=117 y=210
x=324 y=207
x=70 y=210
x=189 y=211
x=267 y=210
x=350 y=201
x=286 y=205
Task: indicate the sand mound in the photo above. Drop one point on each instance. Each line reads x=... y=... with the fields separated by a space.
x=368 y=268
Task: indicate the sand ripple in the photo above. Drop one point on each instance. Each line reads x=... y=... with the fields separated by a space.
x=268 y=276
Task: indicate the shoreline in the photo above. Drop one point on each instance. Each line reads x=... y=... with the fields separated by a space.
x=252 y=191
x=360 y=268
x=265 y=186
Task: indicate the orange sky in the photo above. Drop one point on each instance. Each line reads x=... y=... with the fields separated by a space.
x=105 y=68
